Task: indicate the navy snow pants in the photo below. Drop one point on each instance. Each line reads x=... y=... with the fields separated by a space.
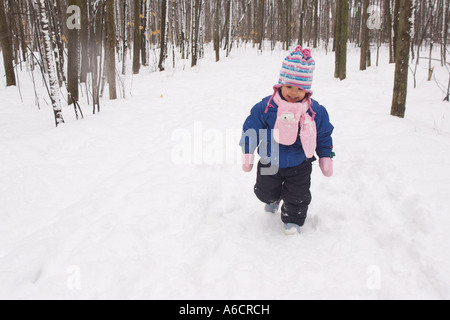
x=292 y=185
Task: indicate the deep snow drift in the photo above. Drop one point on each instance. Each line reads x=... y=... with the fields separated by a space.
x=148 y=200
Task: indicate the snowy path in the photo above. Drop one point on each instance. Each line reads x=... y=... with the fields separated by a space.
x=102 y=208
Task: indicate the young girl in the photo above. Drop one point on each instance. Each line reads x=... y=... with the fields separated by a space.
x=288 y=128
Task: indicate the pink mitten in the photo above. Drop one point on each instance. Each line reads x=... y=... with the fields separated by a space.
x=326 y=165
x=247 y=162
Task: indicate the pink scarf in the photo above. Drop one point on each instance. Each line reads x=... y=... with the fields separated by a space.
x=289 y=116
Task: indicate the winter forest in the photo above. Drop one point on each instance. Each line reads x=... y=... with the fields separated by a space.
x=75 y=43
x=121 y=170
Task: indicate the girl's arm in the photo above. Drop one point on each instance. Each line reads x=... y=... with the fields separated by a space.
x=324 y=131
x=250 y=139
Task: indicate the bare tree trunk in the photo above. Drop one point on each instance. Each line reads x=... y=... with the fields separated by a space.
x=110 y=49
x=327 y=24
x=84 y=36
x=403 y=36
x=57 y=12
x=93 y=52
x=302 y=16
x=396 y=21
x=5 y=39
x=196 y=26
x=173 y=31
x=125 y=38
x=288 y=19
x=446 y=18
x=143 y=30
x=364 y=36
x=430 y=67
x=260 y=24
x=183 y=30
x=226 y=29
x=216 y=29
x=230 y=30
x=137 y=37
x=49 y=56
x=388 y=26
x=21 y=21
x=341 y=36
x=162 y=54
x=73 y=62
x=337 y=43
x=316 y=23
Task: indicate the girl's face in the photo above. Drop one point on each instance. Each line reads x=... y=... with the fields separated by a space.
x=292 y=94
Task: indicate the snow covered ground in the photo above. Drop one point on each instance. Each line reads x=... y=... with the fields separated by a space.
x=147 y=200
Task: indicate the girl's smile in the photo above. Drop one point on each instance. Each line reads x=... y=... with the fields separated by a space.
x=292 y=94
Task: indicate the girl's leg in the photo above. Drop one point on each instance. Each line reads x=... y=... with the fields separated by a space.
x=296 y=193
x=268 y=187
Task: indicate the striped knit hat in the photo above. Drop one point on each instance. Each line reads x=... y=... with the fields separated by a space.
x=297 y=70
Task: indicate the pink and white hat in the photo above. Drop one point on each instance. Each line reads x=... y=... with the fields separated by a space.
x=297 y=70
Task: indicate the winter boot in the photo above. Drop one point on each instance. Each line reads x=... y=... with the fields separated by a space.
x=291 y=229
x=273 y=207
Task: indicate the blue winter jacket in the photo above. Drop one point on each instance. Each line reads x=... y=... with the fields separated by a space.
x=257 y=133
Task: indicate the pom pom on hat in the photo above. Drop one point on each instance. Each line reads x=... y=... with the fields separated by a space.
x=297 y=70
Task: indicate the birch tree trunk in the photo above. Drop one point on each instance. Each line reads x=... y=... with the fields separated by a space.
x=162 y=54
x=125 y=37
x=93 y=55
x=143 y=31
x=196 y=26
x=51 y=64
